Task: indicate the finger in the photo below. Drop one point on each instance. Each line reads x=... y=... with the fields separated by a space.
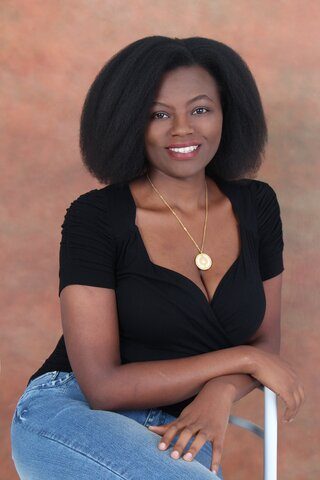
x=217 y=454
x=290 y=402
x=168 y=437
x=294 y=406
x=196 y=445
x=182 y=441
x=288 y=414
x=297 y=398
x=156 y=427
x=161 y=427
x=298 y=403
x=158 y=430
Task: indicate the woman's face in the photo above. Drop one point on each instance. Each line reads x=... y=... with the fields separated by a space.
x=176 y=118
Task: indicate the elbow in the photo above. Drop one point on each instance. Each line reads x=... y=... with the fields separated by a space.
x=107 y=396
x=93 y=398
x=102 y=395
x=95 y=403
x=102 y=402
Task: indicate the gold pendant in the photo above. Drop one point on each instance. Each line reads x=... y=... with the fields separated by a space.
x=203 y=261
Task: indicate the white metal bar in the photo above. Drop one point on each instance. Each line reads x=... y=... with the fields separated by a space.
x=270 y=435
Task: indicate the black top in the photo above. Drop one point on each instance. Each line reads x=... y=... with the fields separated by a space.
x=163 y=314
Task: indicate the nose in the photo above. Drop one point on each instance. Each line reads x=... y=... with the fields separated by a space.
x=181 y=126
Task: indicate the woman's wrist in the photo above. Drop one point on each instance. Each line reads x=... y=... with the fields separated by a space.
x=250 y=359
x=226 y=387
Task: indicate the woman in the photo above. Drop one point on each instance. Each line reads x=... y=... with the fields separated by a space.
x=170 y=275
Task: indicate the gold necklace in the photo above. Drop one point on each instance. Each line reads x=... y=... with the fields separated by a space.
x=202 y=260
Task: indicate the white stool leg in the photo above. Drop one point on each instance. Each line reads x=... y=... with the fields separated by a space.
x=270 y=435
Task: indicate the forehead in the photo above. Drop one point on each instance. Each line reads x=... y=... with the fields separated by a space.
x=184 y=83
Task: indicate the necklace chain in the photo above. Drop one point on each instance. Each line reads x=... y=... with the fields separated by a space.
x=183 y=226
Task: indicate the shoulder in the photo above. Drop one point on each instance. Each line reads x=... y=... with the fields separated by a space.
x=261 y=193
x=258 y=201
x=256 y=187
x=103 y=209
x=261 y=190
x=265 y=206
x=97 y=197
x=97 y=200
x=265 y=200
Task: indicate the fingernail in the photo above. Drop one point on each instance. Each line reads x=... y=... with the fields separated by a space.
x=187 y=456
x=175 y=454
x=214 y=471
x=162 y=446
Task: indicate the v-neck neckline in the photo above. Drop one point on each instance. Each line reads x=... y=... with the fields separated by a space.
x=184 y=278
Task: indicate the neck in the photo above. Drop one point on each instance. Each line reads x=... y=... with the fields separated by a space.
x=186 y=195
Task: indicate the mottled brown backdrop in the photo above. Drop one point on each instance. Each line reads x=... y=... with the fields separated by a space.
x=50 y=53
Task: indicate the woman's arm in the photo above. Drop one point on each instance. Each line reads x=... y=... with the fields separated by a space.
x=90 y=327
x=240 y=384
x=267 y=337
x=164 y=382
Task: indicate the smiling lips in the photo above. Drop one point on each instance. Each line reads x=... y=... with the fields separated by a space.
x=183 y=152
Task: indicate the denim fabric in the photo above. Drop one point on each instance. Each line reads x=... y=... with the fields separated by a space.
x=56 y=435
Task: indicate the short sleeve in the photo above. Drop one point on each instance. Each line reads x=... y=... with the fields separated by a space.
x=270 y=233
x=87 y=248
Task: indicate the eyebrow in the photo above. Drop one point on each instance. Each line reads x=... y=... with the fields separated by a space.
x=198 y=97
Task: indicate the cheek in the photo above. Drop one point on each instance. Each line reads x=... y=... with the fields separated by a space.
x=153 y=136
x=214 y=129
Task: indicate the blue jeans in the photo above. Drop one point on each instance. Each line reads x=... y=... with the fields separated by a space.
x=55 y=435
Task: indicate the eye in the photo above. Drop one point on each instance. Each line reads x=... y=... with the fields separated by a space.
x=202 y=108
x=158 y=113
x=154 y=115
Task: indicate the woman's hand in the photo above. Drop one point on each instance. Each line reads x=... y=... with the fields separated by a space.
x=277 y=374
x=206 y=418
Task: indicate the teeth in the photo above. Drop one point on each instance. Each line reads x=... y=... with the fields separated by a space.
x=185 y=149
